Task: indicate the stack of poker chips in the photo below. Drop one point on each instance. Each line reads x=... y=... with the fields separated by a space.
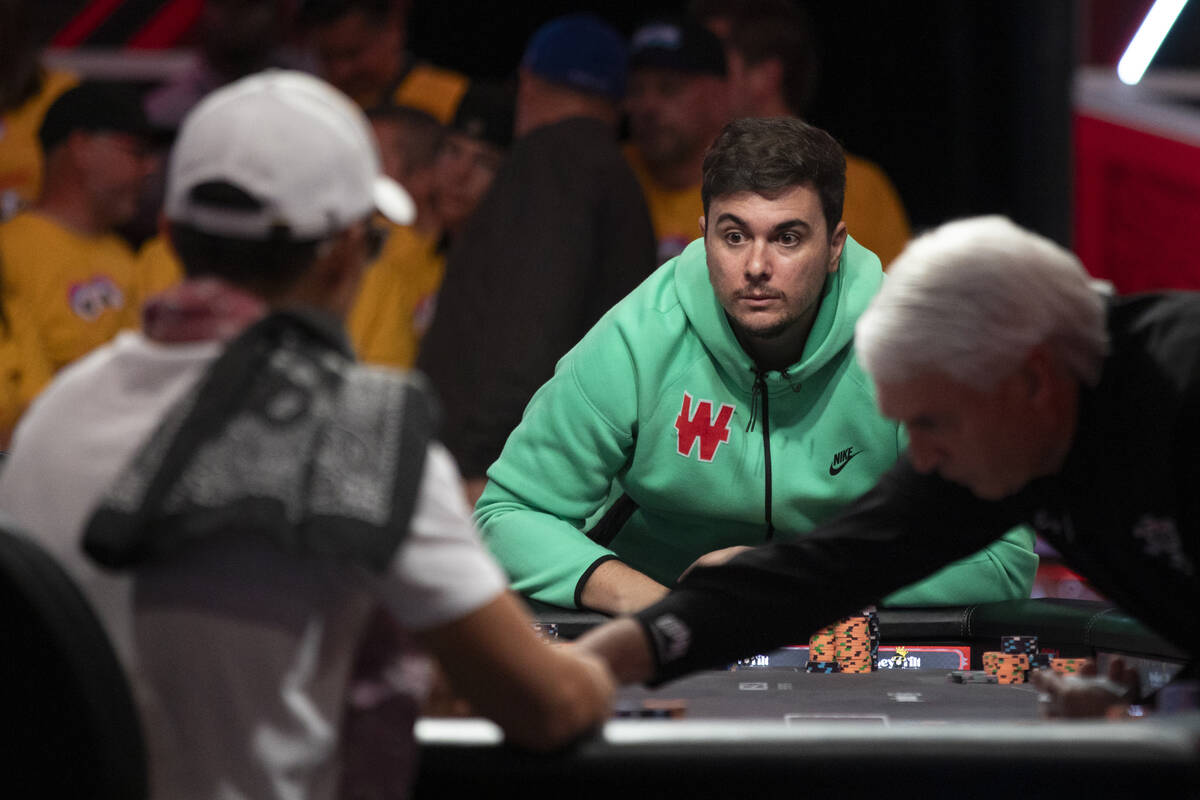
x=1068 y=666
x=547 y=631
x=848 y=645
x=822 y=650
x=1007 y=667
x=1019 y=654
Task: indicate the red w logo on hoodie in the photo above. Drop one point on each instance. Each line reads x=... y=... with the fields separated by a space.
x=711 y=433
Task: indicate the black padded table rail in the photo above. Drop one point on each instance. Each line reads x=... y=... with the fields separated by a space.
x=1072 y=625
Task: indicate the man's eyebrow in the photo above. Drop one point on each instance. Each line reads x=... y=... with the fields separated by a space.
x=791 y=223
x=727 y=217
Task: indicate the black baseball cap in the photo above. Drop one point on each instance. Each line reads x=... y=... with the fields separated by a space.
x=95 y=106
x=486 y=112
x=679 y=44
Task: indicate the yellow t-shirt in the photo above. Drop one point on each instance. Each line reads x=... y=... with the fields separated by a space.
x=158 y=267
x=395 y=302
x=78 y=290
x=24 y=368
x=433 y=90
x=872 y=211
x=675 y=213
x=20 y=150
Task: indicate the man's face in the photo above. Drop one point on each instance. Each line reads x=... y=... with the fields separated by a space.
x=465 y=169
x=768 y=260
x=360 y=55
x=674 y=115
x=115 y=167
x=986 y=440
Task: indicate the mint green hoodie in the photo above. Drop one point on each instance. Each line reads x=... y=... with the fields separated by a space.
x=660 y=401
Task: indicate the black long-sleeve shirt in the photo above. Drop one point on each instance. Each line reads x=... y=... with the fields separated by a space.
x=560 y=237
x=1124 y=511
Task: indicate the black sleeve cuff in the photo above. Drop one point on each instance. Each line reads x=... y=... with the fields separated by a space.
x=585 y=577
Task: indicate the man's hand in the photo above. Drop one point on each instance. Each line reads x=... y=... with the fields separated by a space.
x=623 y=646
x=715 y=558
x=1085 y=695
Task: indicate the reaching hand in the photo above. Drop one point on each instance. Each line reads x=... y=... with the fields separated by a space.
x=1086 y=695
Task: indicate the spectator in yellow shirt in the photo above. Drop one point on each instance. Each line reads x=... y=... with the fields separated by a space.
x=26 y=91
x=447 y=172
x=360 y=47
x=24 y=369
x=63 y=265
x=677 y=103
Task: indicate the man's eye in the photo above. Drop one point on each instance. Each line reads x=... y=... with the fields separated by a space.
x=789 y=239
x=734 y=237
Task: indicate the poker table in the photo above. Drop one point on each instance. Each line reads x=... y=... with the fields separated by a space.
x=765 y=727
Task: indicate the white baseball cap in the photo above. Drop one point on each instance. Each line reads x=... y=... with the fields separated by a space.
x=299 y=147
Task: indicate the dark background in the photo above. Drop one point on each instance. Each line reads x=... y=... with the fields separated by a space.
x=964 y=104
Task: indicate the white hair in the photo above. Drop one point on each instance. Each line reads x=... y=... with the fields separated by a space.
x=971 y=298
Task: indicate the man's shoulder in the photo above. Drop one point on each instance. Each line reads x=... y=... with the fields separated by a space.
x=583 y=140
x=128 y=353
x=23 y=225
x=648 y=321
x=31 y=233
x=1161 y=326
x=432 y=89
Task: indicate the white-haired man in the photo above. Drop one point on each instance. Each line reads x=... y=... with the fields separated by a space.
x=235 y=494
x=1028 y=397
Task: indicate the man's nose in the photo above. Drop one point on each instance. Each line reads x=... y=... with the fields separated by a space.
x=758 y=265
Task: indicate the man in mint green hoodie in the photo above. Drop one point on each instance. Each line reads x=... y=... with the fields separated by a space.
x=720 y=402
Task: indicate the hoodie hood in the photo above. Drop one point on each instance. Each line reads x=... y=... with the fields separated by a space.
x=845 y=296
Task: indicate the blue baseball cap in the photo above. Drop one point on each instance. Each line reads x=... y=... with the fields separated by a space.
x=581 y=51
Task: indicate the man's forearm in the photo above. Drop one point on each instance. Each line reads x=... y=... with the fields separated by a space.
x=616 y=588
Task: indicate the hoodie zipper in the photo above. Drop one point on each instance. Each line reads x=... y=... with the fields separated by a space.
x=760 y=391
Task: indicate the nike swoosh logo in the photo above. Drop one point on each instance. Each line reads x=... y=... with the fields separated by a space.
x=835 y=469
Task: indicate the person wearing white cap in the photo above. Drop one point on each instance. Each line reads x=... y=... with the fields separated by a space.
x=235 y=494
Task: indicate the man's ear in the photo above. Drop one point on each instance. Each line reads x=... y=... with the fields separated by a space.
x=1040 y=373
x=837 y=243
x=703 y=226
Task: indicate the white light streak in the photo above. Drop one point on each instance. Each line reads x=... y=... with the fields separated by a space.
x=1149 y=37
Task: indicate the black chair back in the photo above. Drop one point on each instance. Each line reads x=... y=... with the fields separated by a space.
x=64 y=698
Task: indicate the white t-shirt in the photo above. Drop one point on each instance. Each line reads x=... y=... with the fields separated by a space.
x=239 y=654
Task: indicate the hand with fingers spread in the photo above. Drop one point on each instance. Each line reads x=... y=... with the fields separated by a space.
x=1085 y=694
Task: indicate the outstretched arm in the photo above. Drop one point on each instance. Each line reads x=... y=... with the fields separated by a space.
x=765 y=597
x=542 y=696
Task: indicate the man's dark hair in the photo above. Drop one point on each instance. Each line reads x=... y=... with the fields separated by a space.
x=266 y=266
x=765 y=29
x=770 y=155
x=319 y=13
